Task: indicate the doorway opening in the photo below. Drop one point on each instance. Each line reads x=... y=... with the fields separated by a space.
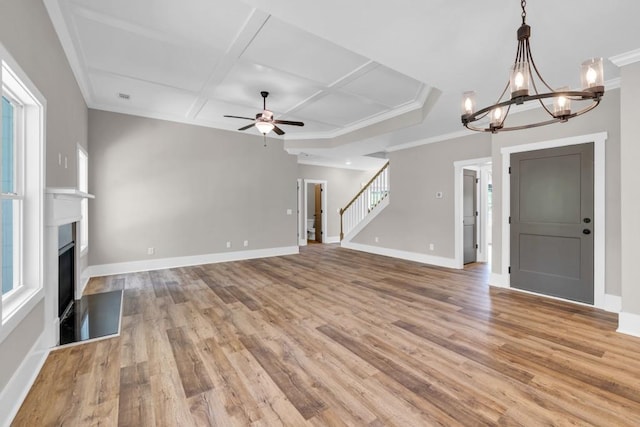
x=313 y=212
x=473 y=211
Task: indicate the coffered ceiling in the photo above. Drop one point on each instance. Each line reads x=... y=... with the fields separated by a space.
x=364 y=75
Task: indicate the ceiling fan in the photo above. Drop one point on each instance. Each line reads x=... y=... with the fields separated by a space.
x=264 y=121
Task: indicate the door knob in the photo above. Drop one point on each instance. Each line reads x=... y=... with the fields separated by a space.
x=586 y=231
x=587 y=220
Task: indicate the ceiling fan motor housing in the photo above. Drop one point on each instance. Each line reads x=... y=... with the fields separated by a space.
x=266 y=116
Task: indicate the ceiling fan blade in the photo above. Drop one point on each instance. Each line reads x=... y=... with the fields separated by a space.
x=239 y=117
x=288 y=122
x=247 y=126
x=277 y=130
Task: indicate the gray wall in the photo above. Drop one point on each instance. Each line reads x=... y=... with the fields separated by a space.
x=606 y=117
x=27 y=33
x=342 y=185
x=414 y=217
x=630 y=207
x=185 y=190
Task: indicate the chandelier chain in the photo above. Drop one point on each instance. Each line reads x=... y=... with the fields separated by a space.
x=523 y=3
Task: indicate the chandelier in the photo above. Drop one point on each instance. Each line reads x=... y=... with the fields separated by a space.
x=525 y=76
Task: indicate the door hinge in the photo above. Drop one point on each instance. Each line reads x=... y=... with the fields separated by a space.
x=509 y=170
x=476 y=246
x=509 y=220
x=476 y=213
x=477 y=180
x=509 y=269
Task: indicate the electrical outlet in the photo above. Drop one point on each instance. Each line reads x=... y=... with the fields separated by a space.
x=228 y=245
x=431 y=246
x=246 y=243
x=289 y=212
x=151 y=251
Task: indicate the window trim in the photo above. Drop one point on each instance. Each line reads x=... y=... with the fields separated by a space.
x=16 y=305
x=18 y=190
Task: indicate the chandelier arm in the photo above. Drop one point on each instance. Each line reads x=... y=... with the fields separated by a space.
x=535 y=67
x=545 y=108
x=518 y=52
x=506 y=114
x=501 y=96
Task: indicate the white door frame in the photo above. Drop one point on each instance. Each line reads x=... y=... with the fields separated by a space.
x=458 y=167
x=599 y=225
x=323 y=219
x=302 y=234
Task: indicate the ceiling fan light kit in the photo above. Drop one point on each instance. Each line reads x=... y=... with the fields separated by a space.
x=264 y=121
x=524 y=76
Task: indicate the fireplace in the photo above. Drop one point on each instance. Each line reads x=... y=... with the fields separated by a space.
x=66 y=269
x=63 y=280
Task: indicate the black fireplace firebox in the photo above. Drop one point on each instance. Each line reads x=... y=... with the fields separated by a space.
x=66 y=269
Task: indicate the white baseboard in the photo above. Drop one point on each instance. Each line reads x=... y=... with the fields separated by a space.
x=16 y=390
x=499 y=280
x=164 y=263
x=395 y=253
x=333 y=239
x=629 y=323
x=612 y=303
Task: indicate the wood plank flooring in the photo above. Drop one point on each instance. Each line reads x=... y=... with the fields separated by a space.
x=333 y=337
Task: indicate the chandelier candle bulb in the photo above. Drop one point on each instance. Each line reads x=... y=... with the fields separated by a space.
x=496 y=117
x=468 y=103
x=562 y=104
x=592 y=75
x=519 y=81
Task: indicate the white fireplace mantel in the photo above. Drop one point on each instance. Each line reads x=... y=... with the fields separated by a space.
x=63 y=205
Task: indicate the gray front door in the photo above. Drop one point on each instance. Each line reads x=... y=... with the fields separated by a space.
x=470 y=213
x=552 y=222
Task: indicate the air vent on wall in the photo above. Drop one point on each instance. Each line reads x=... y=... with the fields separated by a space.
x=124 y=96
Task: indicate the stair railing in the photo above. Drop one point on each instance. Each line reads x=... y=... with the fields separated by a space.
x=376 y=190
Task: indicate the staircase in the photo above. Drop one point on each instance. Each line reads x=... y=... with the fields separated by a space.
x=369 y=201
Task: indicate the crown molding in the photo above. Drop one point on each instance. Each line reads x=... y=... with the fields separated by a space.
x=626 y=58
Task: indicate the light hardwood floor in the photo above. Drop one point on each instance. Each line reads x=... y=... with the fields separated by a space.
x=336 y=337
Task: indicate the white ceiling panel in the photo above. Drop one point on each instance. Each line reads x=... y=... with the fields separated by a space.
x=339 y=109
x=385 y=86
x=212 y=23
x=285 y=47
x=122 y=52
x=155 y=99
x=245 y=82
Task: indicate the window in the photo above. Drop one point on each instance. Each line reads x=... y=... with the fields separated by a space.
x=22 y=194
x=12 y=194
x=83 y=185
